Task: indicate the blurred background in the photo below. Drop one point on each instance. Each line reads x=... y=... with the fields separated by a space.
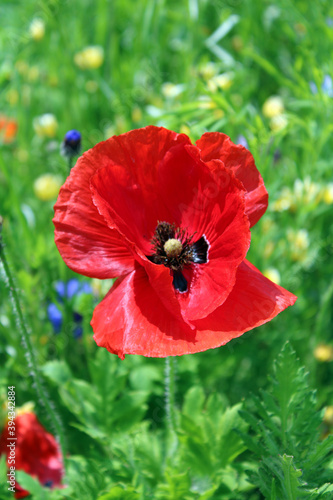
x=261 y=72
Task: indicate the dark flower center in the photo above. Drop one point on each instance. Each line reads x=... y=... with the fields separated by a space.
x=174 y=249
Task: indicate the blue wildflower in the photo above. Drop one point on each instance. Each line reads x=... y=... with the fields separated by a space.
x=313 y=87
x=71 y=145
x=65 y=293
x=241 y=140
x=326 y=86
x=55 y=316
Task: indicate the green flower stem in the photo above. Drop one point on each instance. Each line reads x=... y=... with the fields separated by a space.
x=30 y=355
x=323 y=311
x=170 y=402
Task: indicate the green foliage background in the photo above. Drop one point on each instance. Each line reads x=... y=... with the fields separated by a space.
x=242 y=425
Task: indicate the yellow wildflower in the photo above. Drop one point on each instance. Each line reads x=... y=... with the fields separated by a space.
x=299 y=243
x=327 y=194
x=45 y=125
x=206 y=103
x=37 y=29
x=170 y=90
x=272 y=274
x=46 y=187
x=92 y=57
x=328 y=415
x=208 y=70
x=223 y=82
x=278 y=123
x=306 y=191
x=323 y=353
x=285 y=201
x=273 y=106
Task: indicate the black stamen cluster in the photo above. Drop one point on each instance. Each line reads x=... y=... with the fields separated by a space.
x=196 y=253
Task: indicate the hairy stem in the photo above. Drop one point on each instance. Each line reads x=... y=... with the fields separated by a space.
x=170 y=396
x=30 y=355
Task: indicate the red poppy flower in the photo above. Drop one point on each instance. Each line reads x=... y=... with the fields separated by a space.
x=36 y=452
x=8 y=129
x=171 y=220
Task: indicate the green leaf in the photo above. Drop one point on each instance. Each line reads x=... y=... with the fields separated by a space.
x=177 y=486
x=4 y=493
x=30 y=484
x=57 y=371
x=291 y=478
x=81 y=400
x=273 y=489
x=321 y=452
x=143 y=377
x=230 y=444
x=118 y=493
x=284 y=433
x=193 y=403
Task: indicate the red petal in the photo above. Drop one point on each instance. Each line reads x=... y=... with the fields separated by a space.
x=214 y=145
x=132 y=320
x=36 y=452
x=84 y=240
x=206 y=205
x=181 y=190
x=127 y=192
x=254 y=300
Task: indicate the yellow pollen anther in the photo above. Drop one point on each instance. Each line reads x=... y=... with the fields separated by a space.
x=173 y=247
